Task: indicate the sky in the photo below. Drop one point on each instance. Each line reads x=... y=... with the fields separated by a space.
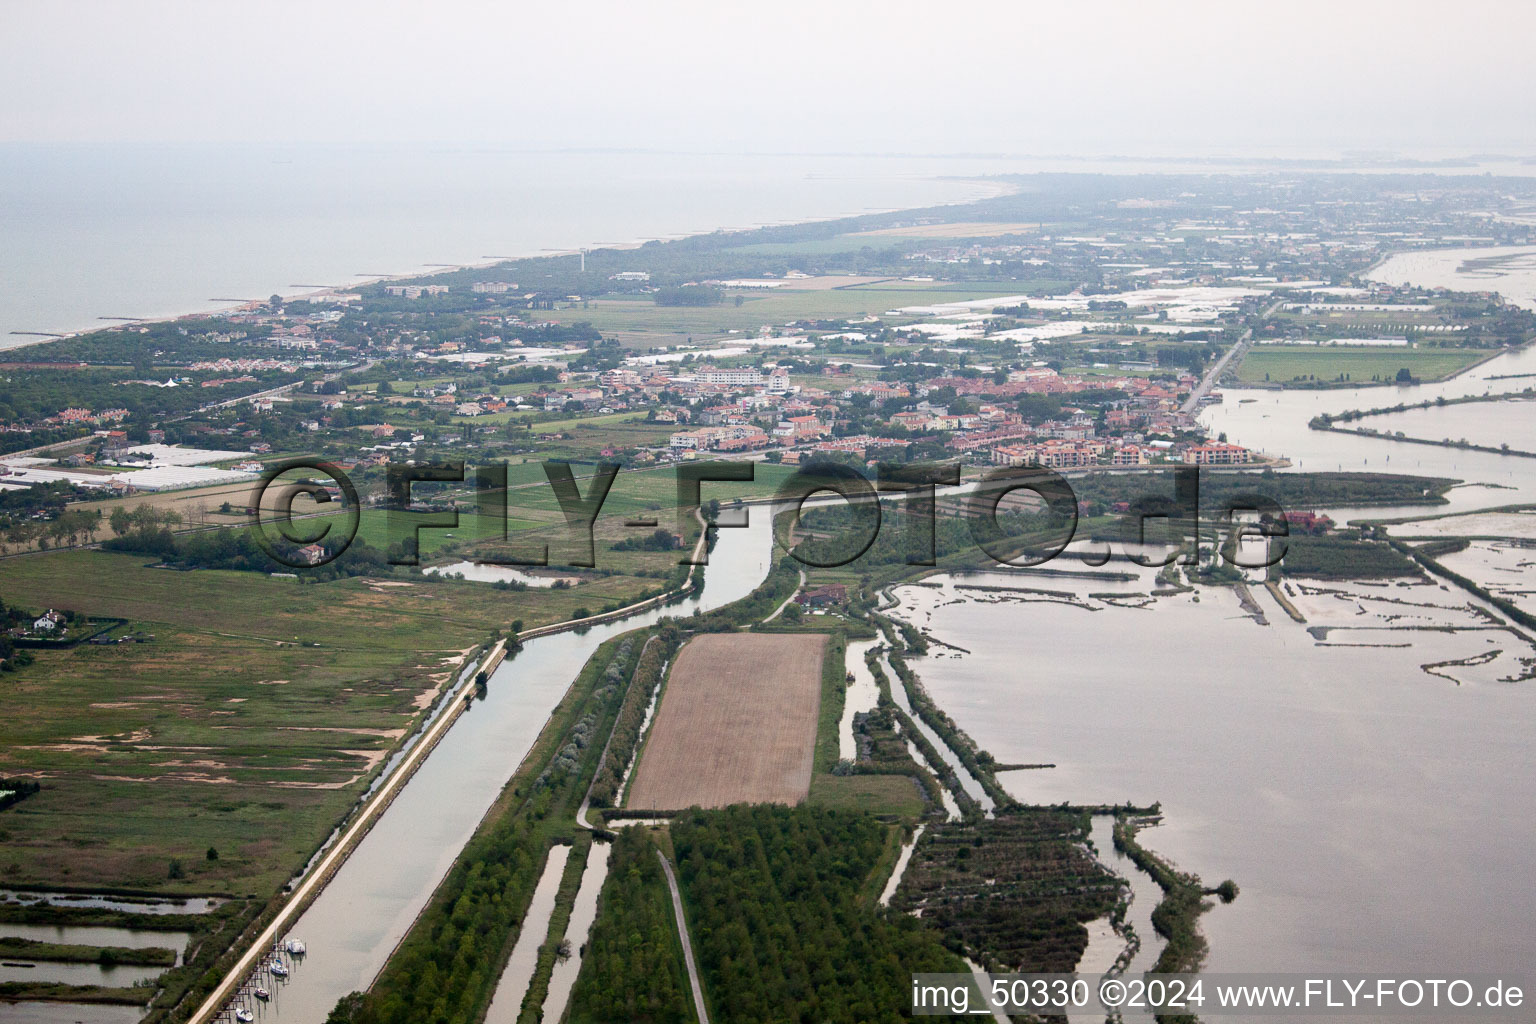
x=1091 y=78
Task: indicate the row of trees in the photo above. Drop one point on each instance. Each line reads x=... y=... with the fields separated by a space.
x=782 y=929
x=632 y=968
x=70 y=526
x=626 y=730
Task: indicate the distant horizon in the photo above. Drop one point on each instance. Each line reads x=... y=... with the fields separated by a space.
x=1368 y=156
x=852 y=77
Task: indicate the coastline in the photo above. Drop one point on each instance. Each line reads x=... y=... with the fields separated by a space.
x=42 y=336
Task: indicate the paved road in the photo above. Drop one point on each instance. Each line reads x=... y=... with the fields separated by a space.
x=282 y=390
x=1214 y=373
x=682 y=930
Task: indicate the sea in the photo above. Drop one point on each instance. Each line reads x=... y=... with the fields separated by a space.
x=95 y=232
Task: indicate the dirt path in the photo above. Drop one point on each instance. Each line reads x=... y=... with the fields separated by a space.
x=682 y=931
x=777 y=611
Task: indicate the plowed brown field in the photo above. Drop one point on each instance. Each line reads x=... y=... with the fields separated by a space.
x=737 y=723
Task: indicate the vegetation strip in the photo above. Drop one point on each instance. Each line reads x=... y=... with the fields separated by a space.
x=107 y=956
x=532 y=1010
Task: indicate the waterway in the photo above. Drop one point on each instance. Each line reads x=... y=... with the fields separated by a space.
x=583 y=916
x=862 y=695
x=366 y=909
x=507 y=1002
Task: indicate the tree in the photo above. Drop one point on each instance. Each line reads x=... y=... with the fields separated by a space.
x=792 y=613
x=1404 y=376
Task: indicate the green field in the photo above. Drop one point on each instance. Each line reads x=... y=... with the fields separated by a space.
x=774 y=307
x=1285 y=364
x=257 y=712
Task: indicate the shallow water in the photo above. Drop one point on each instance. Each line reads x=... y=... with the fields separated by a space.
x=121 y=976
x=902 y=860
x=39 y=1012
x=92 y=935
x=578 y=930
x=518 y=974
x=1351 y=794
x=1105 y=945
x=968 y=781
x=482 y=573
x=862 y=695
x=191 y=905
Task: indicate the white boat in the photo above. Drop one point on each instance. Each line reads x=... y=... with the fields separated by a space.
x=243 y=1015
x=278 y=969
x=262 y=994
x=295 y=947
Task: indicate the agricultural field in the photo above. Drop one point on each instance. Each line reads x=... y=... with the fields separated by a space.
x=1287 y=364
x=779 y=306
x=737 y=723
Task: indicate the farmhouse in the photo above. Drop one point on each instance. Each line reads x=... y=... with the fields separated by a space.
x=822 y=597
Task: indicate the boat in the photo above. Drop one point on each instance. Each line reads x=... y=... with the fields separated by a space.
x=295 y=947
x=278 y=969
x=262 y=994
x=243 y=1015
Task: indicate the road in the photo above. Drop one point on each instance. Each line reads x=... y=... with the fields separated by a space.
x=779 y=610
x=1214 y=373
x=283 y=390
x=682 y=931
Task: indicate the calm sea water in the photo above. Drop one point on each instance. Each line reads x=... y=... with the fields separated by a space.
x=154 y=231
x=157 y=231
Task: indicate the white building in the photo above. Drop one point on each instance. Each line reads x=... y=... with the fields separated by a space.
x=749 y=376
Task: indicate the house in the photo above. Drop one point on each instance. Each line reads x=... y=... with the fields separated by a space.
x=822 y=597
x=48 y=622
x=311 y=554
x=1308 y=522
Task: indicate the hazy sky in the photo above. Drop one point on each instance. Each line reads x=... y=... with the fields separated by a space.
x=829 y=76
